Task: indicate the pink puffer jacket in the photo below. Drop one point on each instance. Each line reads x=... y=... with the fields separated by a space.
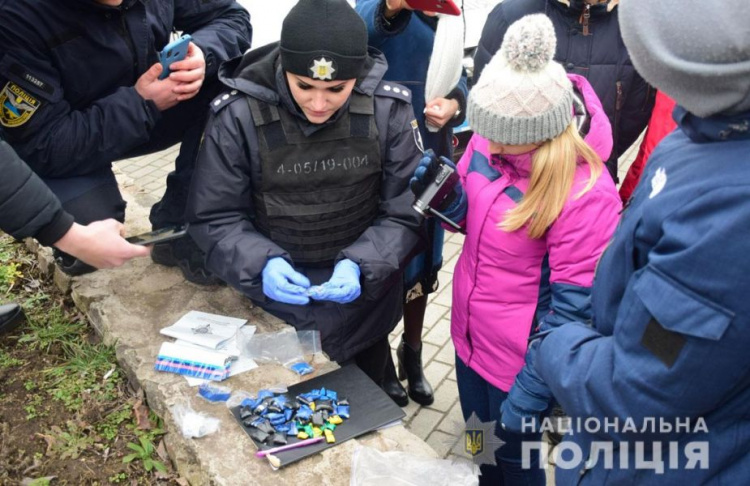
x=497 y=280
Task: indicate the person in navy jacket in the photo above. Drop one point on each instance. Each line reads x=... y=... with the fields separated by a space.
x=79 y=89
x=666 y=361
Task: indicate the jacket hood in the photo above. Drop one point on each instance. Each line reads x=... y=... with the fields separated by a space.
x=599 y=137
x=258 y=74
x=713 y=129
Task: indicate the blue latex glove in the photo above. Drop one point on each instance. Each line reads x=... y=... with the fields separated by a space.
x=528 y=399
x=343 y=287
x=453 y=207
x=283 y=284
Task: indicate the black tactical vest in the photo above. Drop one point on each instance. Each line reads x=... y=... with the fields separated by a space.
x=318 y=193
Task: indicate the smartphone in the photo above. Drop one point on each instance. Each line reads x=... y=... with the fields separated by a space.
x=158 y=236
x=437 y=6
x=173 y=52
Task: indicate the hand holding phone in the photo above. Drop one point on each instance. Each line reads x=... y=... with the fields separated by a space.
x=435 y=6
x=173 y=52
x=158 y=236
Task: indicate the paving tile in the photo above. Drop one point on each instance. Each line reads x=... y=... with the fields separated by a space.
x=139 y=173
x=447 y=354
x=453 y=422
x=432 y=314
x=450 y=265
x=424 y=422
x=444 y=279
x=435 y=372
x=446 y=396
x=411 y=410
x=450 y=250
x=439 y=334
x=444 y=297
x=441 y=442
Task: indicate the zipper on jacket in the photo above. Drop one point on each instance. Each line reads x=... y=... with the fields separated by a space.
x=584 y=20
x=125 y=32
x=619 y=100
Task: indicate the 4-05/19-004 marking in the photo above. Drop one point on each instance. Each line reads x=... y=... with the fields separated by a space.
x=308 y=167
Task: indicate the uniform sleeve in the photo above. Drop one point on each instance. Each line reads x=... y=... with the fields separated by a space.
x=56 y=140
x=396 y=235
x=680 y=340
x=378 y=29
x=220 y=205
x=220 y=28
x=27 y=206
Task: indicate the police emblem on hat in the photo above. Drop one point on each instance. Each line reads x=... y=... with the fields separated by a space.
x=16 y=106
x=323 y=69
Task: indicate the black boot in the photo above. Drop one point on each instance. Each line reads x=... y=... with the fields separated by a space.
x=392 y=386
x=410 y=368
x=11 y=316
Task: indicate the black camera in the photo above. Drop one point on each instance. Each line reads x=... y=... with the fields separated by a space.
x=435 y=196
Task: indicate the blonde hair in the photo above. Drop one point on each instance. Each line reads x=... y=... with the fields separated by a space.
x=553 y=167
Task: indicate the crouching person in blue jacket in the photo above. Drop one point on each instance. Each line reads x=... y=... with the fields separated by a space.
x=301 y=194
x=658 y=388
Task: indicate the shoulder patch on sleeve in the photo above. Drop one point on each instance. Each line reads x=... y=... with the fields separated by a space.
x=393 y=90
x=17 y=105
x=224 y=99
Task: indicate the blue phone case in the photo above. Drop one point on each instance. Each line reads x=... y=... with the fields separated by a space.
x=173 y=52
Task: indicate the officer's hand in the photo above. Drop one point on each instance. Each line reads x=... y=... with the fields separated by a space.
x=190 y=73
x=343 y=287
x=161 y=92
x=283 y=284
x=439 y=111
x=100 y=244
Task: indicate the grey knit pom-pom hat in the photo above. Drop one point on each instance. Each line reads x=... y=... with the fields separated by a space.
x=523 y=96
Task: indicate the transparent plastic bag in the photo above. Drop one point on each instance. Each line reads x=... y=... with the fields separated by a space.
x=281 y=347
x=371 y=467
x=310 y=342
x=192 y=423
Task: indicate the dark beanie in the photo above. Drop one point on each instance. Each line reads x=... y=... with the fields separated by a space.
x=323 y=39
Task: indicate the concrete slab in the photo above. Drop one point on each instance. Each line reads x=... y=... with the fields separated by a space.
x=129 y=305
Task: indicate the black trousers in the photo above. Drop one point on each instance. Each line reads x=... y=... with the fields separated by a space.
x=95 y=196
x=373 y=360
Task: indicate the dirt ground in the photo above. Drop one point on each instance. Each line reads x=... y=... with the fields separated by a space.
x=67 y=415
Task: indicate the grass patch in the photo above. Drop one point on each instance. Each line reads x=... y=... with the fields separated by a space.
x=67 y=411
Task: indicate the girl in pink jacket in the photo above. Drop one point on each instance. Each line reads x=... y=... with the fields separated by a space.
x=538 y=210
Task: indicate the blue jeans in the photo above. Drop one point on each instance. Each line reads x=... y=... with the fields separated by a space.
x=478 y=396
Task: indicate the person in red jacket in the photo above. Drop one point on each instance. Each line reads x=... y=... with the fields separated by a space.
x=659 y=126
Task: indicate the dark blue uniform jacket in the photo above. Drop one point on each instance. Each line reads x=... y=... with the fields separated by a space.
x=76 y=62
x=671 y=319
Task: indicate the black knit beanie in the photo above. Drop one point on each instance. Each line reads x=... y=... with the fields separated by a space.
x=323 y=39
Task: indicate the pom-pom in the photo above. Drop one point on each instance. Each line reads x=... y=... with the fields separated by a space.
x=529 y=43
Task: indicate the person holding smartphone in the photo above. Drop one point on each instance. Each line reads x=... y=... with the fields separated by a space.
x=538 y=209
x=406 y=38
x=80 y=88
x=29 y=209
x=301 y=195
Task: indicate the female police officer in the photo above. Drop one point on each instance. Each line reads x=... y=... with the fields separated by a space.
x=301 y=197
